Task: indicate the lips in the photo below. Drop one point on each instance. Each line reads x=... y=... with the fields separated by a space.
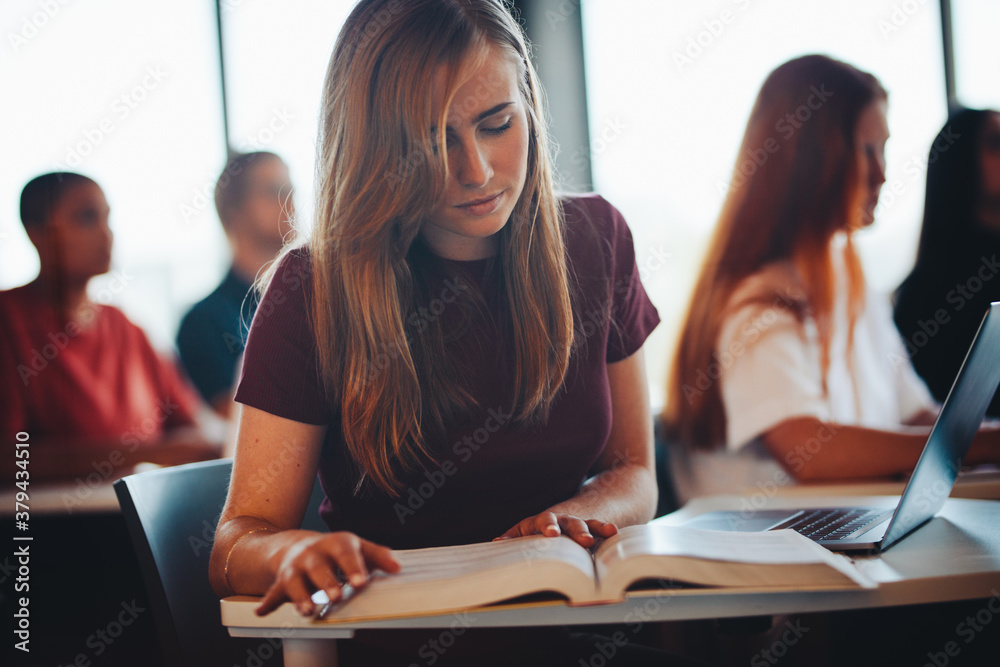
x=482 y=206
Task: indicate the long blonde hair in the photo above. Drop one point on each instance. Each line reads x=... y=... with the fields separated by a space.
x=795 y=185
x=380 y=170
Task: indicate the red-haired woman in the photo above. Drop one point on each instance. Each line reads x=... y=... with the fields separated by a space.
x=788 y=368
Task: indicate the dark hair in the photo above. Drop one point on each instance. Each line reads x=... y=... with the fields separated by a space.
x=953 y=245
x=949 y=229
x=41 y=194
x=231 y=188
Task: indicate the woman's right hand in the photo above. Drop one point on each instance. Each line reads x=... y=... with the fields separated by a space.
x=311 y=563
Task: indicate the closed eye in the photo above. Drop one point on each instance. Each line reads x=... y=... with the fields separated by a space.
x=499 y=130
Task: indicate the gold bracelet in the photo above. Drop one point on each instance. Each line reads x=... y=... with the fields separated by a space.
x=229 y=555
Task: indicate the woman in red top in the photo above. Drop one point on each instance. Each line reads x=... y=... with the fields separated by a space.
x=456 y=351
x=78 y=376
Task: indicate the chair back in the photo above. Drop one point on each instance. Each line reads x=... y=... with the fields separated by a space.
x=171 y=515
x=667 y=500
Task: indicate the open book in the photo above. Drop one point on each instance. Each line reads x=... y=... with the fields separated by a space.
x=444 y=579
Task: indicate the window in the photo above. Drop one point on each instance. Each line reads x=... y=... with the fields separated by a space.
x=977 y=59
x=276 y=57
x=128 y=94
x=670 y=87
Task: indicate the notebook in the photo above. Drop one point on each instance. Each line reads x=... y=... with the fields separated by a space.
x=854 y=528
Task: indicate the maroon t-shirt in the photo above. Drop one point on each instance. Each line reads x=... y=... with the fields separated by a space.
x=491 y=472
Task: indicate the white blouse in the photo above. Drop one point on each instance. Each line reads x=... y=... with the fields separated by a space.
x=768 y=364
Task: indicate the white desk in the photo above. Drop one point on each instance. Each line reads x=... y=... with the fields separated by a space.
x=62 y=498
x=80 y=496
x=956 y=556
x=981 y=483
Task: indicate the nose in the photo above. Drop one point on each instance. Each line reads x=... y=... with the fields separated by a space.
x=473 y=169
x=108 y=233
x=877 y=170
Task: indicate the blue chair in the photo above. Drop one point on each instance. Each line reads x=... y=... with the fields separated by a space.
x=171 y=515
x=667 y=500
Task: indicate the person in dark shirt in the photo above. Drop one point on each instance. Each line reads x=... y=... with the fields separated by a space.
x=254 y=200
x=450 y=318
x=942 y=302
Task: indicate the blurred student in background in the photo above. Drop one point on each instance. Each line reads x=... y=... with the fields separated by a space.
x=787 y=366
x=78 y=376
x=254 y=200
x=941 y=303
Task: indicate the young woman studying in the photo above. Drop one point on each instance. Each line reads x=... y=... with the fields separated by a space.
x=788 y=367
x=450 y=325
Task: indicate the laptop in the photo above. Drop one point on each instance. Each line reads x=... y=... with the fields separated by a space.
x=878 y=528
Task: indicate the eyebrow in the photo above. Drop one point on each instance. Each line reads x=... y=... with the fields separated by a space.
x=484 y=115
x=489 y=112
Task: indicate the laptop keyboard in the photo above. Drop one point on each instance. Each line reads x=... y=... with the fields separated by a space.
x=832 y=524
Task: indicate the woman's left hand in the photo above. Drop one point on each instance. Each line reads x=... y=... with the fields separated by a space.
x=553 y=524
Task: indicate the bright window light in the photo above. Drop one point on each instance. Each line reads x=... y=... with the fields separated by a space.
x=670 y=87
x=274 y=83
x=128 y=94
x=977 y=58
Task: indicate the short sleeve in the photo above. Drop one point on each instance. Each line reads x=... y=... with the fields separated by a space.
x=633 y=315
x=769 y=371
x=280 y=372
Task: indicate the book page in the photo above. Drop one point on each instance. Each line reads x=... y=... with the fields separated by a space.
x=468 y=576
x=773 y=546
x=437 y=563
x=719 y=558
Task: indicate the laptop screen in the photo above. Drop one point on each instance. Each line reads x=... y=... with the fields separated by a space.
x=952 y=434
